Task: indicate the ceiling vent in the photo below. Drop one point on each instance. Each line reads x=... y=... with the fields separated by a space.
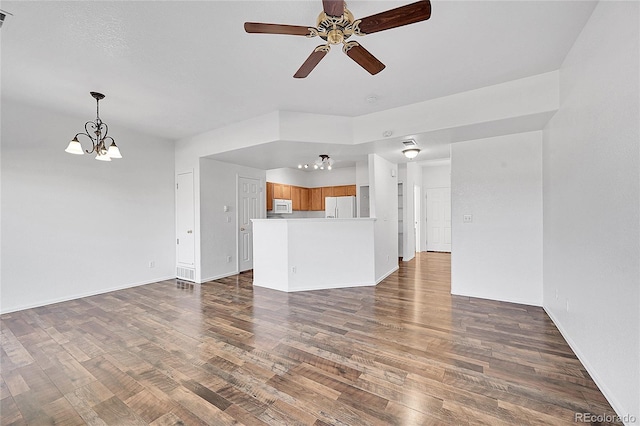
x=409 y=143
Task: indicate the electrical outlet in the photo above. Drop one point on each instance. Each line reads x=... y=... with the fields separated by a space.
x=467 y=218
x=294 y=269
x=152 y=264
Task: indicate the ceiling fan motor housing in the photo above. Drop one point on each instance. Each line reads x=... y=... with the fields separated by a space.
x=335 y=29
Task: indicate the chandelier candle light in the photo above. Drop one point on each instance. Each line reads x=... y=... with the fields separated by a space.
x=99 y=141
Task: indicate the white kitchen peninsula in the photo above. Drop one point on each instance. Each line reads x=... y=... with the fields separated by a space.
x=312 y=254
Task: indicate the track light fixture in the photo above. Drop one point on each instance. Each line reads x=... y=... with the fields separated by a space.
x=322 y=163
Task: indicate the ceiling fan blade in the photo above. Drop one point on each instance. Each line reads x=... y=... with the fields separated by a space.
x=362 y=56
x=404 y=15
x=333 y=7
x=311 y=62
x=262 y=28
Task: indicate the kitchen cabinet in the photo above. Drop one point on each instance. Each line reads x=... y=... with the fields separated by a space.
x=281 y=191
x=304 y=199
x=269 y=195
x=339 y=191
x=327 y=191
x=316 y=199
x=296 y=198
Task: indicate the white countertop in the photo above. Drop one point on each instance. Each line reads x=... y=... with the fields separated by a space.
x=315 y=219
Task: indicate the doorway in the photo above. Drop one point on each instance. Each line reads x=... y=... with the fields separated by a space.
x=248 y=208
x=439 y=219
x=185 y=221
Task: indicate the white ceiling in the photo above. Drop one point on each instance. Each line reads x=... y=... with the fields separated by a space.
x=176 y=68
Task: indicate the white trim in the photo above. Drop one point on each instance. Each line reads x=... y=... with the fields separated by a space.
x=494 y=297
x=217 y=277
x=278 y=287
x=387 y=274
x=89 y=294
x=606 y=392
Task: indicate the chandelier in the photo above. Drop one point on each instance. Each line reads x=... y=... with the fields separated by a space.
x=100 y=139
x=322 y=163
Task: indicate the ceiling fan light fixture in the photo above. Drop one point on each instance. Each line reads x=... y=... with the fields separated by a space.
x=411 y=153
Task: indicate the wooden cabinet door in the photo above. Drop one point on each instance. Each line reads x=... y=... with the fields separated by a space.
x=281 y=191
x=327 y=191
x=339 y=191
x=270 y=196
x=304 y=198
x=296 y=197
x=316 y=199
x=351 y=190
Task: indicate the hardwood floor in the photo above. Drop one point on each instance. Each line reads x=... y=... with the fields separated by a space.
x=404 y=352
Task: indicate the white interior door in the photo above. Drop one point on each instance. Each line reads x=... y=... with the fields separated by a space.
x=185 y=220
x=439 y=219
x=249 y=208
x=417 y=214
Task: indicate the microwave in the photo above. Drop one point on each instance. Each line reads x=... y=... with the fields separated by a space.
x=282 y=206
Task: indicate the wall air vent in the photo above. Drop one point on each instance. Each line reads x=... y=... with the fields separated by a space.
x=186 y=274
x=409 y=143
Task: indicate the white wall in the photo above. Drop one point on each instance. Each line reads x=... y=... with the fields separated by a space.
x=499 y=255
x=383 y=192
x=362 y=179
x=289 y=176
x=313 y=179
x=335 y=177
x=591 y=204
x=291 y=257
x=73 y=226
x=218 y=238
x=435 y=174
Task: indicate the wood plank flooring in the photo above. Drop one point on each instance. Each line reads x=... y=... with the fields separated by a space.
x=405 y=352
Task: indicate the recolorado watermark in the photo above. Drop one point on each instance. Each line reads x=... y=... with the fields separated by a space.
x=603 y=418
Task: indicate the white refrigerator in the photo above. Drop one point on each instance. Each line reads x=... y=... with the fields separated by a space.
x=340 y=207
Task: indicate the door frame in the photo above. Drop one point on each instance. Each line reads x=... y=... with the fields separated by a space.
x=196 y=265
x=261 y=210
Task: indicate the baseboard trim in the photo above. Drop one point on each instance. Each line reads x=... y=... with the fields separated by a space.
x=379 y=280
x=606 y=392
x=82 y=295
x=217 y=277
x=498 y=299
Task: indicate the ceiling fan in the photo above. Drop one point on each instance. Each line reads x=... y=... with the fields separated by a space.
x=336 y=24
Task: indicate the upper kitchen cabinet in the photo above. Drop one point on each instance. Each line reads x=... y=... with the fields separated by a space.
x=303 y=199
x=344 y=190
x=300 y=198
x=269 y=195
x=316 y=200
x=281 y=191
